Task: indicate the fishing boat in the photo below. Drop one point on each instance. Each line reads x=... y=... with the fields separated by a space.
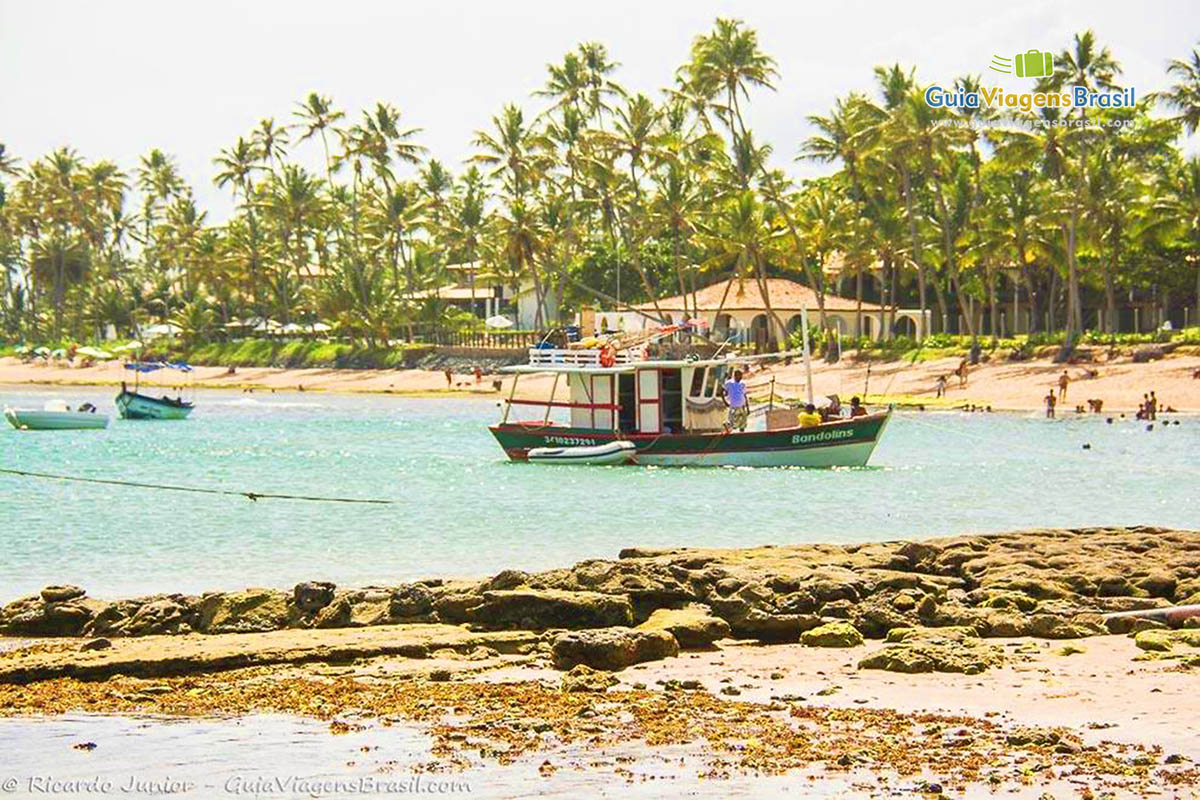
x=138 y=405
x=672 y=411
x=56 y=415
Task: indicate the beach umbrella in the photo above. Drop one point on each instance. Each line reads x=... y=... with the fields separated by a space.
x=132 y=345
x=498 y=321
x=94 y=352
x=59 y=353
x=319 y=327
x=42 y=351
x=21 y=349
x=162 y=329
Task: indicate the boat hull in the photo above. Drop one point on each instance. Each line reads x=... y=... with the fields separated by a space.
x=617 y=452
x=846 y=443
x=131 y=405
x=55 y=420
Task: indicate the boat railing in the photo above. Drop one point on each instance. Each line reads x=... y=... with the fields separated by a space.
x=580 y=358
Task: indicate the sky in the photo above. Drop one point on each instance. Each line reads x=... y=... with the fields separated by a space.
x=115 y=79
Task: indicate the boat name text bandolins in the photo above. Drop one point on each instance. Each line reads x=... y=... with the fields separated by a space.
x=823 y=436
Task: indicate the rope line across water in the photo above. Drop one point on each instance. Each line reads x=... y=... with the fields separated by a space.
x=252 y=496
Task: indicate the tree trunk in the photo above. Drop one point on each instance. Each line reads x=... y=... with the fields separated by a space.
x=916 y=248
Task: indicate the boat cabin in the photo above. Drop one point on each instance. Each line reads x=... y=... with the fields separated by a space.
x=629 y=394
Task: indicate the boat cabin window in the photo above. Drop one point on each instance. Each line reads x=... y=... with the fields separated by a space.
x=627 y=398
x=714 y=377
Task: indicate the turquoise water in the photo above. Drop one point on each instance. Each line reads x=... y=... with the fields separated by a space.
x=461 y=510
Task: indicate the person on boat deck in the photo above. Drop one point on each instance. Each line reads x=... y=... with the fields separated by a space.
x=809 y=418
x=857 y=409
x=735 y=399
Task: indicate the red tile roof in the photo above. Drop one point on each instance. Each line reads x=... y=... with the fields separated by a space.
x=744 y=295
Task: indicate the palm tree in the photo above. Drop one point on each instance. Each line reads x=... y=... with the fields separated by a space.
x=237 y=166
x=1184 y=95
x=271 y=141
x=318 y=116
x=1178 y=210
x=1092 y=67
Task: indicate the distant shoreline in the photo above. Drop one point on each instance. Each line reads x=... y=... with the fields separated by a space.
x=998 y=385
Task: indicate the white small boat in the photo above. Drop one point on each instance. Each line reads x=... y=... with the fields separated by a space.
x=618 y=452
x=56 y=415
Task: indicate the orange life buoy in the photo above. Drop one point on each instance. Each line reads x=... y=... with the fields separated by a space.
x=608 y=356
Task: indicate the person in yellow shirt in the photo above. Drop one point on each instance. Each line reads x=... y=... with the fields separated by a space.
x=809 y=418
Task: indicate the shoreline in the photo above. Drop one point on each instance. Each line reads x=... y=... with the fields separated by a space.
x=1002 y=386
x=982 y=649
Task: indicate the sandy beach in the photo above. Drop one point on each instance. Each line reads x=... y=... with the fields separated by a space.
x=1011 y=386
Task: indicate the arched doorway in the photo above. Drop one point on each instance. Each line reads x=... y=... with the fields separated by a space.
x=905 y=326
x=722 y=327
x=760 y=332
x=868 y=327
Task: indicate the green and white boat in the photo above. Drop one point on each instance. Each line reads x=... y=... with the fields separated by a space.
x=673 y=413
x=138 y=405
x=56 y=415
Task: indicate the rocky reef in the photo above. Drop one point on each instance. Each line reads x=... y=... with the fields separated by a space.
x=1046 y=583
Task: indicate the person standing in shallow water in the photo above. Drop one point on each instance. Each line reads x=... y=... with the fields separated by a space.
x=1050 y=403
x=735 y=400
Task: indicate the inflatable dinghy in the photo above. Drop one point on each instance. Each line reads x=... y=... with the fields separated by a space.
x=618 y=452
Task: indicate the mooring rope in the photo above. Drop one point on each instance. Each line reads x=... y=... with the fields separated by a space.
x=252 y=496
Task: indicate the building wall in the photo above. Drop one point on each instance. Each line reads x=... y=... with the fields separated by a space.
x=743 y=323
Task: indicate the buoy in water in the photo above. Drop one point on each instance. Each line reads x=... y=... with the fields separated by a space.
x=1150 y=427
x=1109 y=420
x=1087 y=446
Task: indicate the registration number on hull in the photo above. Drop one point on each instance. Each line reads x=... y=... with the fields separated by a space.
x=570 y=441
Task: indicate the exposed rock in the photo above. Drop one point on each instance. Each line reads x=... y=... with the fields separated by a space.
x=247 y=611
x=60 y=594
x=95 y=644
x=1154 y=641
x=1049 y=626
x=411 y=600
x=164 y=615
x=370 y=606
x=1143 y=355
x=506 y=579
x=1157 y=584
x=1163 y=641
x=833 y=634
x=582 y=678
x=455 y=607
x=33 y=616
x=693 y=626
x=335 y=615
x=934 y=650
x=538 y=609
x=611 y=648
x=768 y=627
x=311 y=596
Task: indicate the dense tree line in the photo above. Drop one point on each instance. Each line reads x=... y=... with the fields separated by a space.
x=599 y=195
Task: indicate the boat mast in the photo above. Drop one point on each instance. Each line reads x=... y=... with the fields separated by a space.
x=807 y=360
